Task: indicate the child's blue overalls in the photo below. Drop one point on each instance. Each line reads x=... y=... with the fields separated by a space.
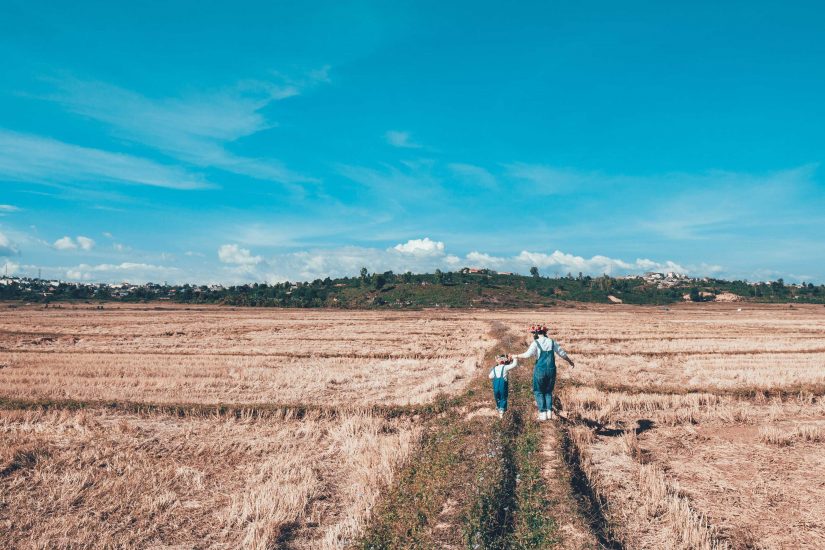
x=500 y=389
x=544 y=378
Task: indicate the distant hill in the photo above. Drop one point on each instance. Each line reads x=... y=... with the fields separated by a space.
x=462 y=289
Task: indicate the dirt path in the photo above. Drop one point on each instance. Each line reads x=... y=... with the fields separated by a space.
x=565 y=507
x=484 y=482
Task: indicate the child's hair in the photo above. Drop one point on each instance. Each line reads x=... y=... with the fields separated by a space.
x=501 y=359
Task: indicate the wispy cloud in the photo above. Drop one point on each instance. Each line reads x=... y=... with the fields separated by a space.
x=550 y=180
x=413 y=180
x=475 y=175
x=404 y=140
x=196 y=129
x=7 y=209
x=38 y=159
x=7 y=248
x=721 y=204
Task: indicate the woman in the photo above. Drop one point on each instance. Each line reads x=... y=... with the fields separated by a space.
x=544 y=373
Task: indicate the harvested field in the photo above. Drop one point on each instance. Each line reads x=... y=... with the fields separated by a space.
x=713 y=348
x=98 y=479
x=698 y=426
x=211 y=356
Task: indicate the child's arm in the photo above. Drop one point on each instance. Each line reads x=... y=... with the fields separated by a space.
x=492 y=373
x=511 y=365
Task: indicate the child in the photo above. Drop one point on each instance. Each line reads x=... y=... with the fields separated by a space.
x=498 y=375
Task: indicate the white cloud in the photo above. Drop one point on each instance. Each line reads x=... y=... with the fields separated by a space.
x=8 y=208
x=421 y=247
x=7 y=248
x=239 y=265
x=9 y=268
x=397 y=138
x=481 y=259
x=44 y=160
x=127 y=271
x=563 y=263
x=452 y=261
x=67 y=243
x=420 y=256
x=595 y=265
x=85 y=243
x=233 y=254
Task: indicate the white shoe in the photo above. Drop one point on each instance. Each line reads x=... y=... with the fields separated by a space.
x=500 y=413
x=542 y=416
x=551 y=415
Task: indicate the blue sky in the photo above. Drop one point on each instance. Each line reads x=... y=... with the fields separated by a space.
x=265 y=141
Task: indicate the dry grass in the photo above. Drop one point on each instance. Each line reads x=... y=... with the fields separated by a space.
x=691 y=349
x=697 y=426
x=759 y=485
x=691 y=453
x=643 y=508
x=96 y=479
x=805 y=433
x=229 y=356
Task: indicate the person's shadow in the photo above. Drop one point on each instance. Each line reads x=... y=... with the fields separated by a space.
x=642 y=424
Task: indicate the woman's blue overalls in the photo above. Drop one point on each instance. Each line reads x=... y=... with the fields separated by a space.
x=544 y=378
x=500 y=389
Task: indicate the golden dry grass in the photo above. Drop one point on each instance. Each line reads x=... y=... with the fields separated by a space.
x=710 y=348
x=98 y=479
x=698 y=427
x=210 y=355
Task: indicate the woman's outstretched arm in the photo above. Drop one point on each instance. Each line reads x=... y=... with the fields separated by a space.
x=531 y=351
x=563 y=354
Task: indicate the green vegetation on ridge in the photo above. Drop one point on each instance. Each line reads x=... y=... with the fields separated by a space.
x=453 y=289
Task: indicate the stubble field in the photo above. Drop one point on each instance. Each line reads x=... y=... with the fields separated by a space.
x=699 y=427
x=690 y=427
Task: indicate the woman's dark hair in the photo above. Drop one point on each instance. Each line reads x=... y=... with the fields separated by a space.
x=541 y=332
